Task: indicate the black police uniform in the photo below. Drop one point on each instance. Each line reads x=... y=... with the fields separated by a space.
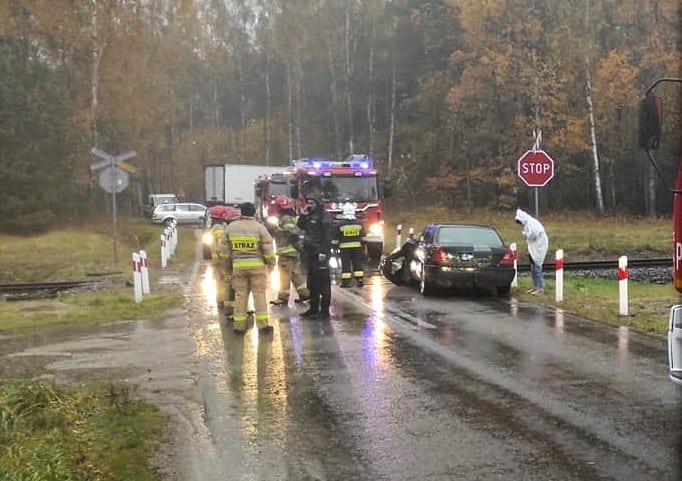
x=317 y=227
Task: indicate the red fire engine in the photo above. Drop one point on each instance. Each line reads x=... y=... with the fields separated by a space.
x=269 y=188
x=352 y=180
x=650 y=129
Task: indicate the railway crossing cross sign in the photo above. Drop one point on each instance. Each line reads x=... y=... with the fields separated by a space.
x=535 y=168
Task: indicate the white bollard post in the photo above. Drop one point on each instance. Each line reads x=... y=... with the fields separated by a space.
x=398 y=236
x=174 y=237
x=515 y=281
x=163 y=251
x=559 y=276
x=137 y=278
x=144 y=270
x=410 y=233
x=169 y=243
x=623 y=285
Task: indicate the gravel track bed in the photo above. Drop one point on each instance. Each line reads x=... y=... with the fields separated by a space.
x=653 y=275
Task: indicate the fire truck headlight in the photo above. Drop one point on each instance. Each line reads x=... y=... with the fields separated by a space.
x=207 y=239
x=376 y=229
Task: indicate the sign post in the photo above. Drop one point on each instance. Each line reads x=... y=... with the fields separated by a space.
x=113 y=179
x=536 y=168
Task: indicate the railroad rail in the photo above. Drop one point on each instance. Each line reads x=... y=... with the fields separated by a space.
x=601 y=264
x=39 y=290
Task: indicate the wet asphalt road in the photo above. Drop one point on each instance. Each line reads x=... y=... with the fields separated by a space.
x=399 y=387
x=394 y=387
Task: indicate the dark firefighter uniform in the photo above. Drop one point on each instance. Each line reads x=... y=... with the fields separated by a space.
x=349 y=233
x=251 y=250
x=317 y=227
x=288 y=260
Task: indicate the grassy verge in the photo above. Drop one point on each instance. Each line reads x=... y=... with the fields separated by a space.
x=88 y=433
x=76 y=253
x=580 y=235
x=597 y=299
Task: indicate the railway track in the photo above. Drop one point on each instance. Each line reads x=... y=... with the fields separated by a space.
x=40 y=290
x=601 y=264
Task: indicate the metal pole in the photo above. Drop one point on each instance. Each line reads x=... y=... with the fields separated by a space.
x=113 y=209
x=537 y=208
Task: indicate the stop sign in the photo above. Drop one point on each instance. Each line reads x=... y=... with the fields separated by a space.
x=535 y=168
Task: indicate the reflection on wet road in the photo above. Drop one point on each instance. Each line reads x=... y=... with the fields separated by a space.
x=400 y=387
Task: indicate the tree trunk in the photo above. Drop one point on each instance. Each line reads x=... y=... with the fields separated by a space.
x=651 y=191
x=370 y=96
x=333 y=82
x=290 y=113
x=593 y=141
x=391 y=128
x=349 y=85
x=242 y=108
x=268 y=108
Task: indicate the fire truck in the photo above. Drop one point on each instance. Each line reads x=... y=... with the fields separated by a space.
x=352 y=180
x=650 y=129
x=269 y=187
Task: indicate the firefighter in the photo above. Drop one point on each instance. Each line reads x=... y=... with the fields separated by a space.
x=251 y=251
x=316 y=224
x=220 y=217
x=286 y=237
x=349 y=233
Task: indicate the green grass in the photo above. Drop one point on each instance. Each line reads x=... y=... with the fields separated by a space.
x=580 y=235
x=597 y=299
x=85 y=433
x=82 y=310
x=74 y=253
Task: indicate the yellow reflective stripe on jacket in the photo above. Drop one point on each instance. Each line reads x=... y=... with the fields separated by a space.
x=247 y=263
x=286 y=250
x=349 y=245
x=351 y=230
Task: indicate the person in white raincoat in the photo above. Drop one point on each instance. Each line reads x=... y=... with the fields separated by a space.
x=538 y=243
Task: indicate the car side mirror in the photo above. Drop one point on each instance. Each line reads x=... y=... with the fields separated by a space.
x=650 y=122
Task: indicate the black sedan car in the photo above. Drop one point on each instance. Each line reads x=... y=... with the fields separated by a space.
x=452 y=255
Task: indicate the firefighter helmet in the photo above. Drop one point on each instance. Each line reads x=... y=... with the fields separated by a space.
x=223 y=213
x=283 y=203
x=348 y=210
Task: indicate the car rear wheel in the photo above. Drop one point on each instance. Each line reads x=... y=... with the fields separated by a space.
x=425 y=287
x=503 y=290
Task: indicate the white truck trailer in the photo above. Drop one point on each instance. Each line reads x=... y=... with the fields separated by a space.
x=233 y=184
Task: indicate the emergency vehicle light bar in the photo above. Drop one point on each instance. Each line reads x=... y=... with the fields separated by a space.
x=357 y=161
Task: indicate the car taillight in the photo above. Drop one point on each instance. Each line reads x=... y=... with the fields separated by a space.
x=508 y=259
x=440 y=256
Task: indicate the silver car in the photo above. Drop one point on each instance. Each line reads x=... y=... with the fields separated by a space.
x=182 y=213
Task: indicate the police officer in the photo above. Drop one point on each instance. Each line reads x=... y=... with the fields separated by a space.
x=286 y=237
x=317 y=227
x=251 y=250
x=350 y=234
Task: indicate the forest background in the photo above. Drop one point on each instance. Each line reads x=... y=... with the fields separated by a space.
x=444 y=94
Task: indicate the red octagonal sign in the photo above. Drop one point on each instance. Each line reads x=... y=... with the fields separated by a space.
x=536 y=168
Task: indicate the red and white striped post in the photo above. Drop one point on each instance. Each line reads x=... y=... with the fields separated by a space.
x=399 y=236
x=137 y=278
x=164 y=258
x=410 y=233
x=515 y=280
x=145 y=272
x=623 y=285
x=559 y=276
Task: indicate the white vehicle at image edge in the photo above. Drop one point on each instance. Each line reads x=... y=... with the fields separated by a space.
x=182 y=213
x=675 y=344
